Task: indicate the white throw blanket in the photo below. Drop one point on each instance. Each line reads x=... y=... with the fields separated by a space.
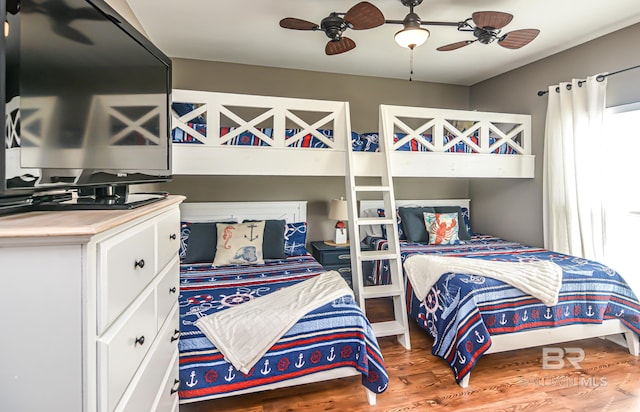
x=244 y=333
x=539 y=279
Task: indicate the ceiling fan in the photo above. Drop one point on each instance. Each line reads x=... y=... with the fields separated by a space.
x=362 y=16
x=487 y=28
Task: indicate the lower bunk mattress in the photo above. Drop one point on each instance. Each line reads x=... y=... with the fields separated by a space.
x=333 y=336
x=462 y=311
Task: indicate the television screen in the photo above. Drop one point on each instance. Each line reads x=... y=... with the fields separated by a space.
x=87 y=99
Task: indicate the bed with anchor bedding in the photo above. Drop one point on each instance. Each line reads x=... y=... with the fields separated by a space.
x=481 y=294
x=329 y=339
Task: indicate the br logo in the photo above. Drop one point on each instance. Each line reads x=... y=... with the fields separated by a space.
x=554 y=358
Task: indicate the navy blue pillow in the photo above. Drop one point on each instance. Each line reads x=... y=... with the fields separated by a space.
x=184 y=108
x=202 y=242
x=201 y=246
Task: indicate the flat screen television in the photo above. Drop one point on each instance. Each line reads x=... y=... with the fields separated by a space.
x=86 y=102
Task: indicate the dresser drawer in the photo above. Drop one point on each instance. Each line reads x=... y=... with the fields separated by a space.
x=126 y=264
x=167 y=290
x=151 y=378
x=168 y=397
x=123 y=346
x=168 y=233
x=336 y=257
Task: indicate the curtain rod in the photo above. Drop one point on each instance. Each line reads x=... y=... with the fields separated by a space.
x=600 y=78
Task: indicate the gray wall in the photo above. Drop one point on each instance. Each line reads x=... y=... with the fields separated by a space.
x=364 y=94
x=512 y=208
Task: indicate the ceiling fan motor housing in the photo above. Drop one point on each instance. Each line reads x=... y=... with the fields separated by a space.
x=486 y=35
x=333 y=26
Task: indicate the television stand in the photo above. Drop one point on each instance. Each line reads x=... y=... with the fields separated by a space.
x=110 y=198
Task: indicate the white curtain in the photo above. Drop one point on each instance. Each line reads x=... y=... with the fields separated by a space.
x=572 y=188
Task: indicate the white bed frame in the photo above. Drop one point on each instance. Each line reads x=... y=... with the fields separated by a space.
x=291 y=211
x=281 y=157
x=611 y=329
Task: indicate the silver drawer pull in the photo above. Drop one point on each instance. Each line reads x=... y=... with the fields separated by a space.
x=176 y=335
x=139 y=264
x=173 y=236
x=344 y=257
x=139 y=341
x=176 y=386
x=344 y=270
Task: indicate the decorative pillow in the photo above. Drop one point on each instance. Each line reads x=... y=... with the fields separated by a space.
x=371 y=230
x=183 y=108
x=295 y=239
x=201 y=243
x=273 y=240
x=239 y=244
x=185 y=230
x=442 y=228
x=413 y=222
x=467 y=222
x=401 y=235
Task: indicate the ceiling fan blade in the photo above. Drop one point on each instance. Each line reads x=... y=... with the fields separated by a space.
x=364 y=15
x=297 y=24
x=518 y=38
x=339 y=46
x=494 y=19
x=454 y=46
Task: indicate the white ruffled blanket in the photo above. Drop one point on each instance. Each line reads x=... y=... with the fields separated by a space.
x=540 y=279
x=244 y=333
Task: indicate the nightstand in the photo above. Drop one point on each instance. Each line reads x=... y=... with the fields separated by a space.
x=336 y=258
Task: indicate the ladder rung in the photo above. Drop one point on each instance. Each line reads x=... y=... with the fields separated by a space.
x=380 y=291
x=375 y=221
x=370 y=255
x=371 y=188
x=389 y=328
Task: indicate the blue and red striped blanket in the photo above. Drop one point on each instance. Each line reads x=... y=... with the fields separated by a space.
x=461 y=312
x=335 y=335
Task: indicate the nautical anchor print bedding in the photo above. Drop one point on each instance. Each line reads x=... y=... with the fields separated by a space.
x=335 y=335
x=461 y=312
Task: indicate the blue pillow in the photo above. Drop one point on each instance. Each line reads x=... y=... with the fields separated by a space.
x=401 y=235
x=185 y=230
x=467 y=223
x=295 y=239
x=184 y=108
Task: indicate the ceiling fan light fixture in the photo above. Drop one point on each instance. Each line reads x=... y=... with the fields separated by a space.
x=411 y=37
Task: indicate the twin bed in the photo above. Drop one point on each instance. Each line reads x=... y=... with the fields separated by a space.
x=468 y=315
x=332 y=341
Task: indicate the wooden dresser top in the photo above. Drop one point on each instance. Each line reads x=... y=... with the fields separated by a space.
x=74 y=223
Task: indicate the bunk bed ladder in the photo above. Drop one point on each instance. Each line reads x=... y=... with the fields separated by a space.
x=358 y=188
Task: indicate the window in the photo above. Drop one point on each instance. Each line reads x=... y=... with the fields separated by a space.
x=621 y=168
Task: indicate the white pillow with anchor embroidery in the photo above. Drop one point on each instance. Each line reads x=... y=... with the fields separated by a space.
x=239 y=244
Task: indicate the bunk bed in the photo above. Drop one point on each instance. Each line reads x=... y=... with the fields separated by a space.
x=470 y=315
x=236 y=134
x=332 y=341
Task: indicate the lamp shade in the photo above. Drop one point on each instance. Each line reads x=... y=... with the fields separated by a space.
x=338 y=210
x=411 y=37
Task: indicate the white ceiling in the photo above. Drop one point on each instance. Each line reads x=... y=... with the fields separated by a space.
x=247 y=32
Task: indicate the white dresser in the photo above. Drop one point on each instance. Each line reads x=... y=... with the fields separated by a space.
x=89 y=309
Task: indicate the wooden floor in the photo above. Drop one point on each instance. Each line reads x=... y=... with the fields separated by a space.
x=509 y=381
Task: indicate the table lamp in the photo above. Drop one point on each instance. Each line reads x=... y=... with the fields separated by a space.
x=338 y=211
